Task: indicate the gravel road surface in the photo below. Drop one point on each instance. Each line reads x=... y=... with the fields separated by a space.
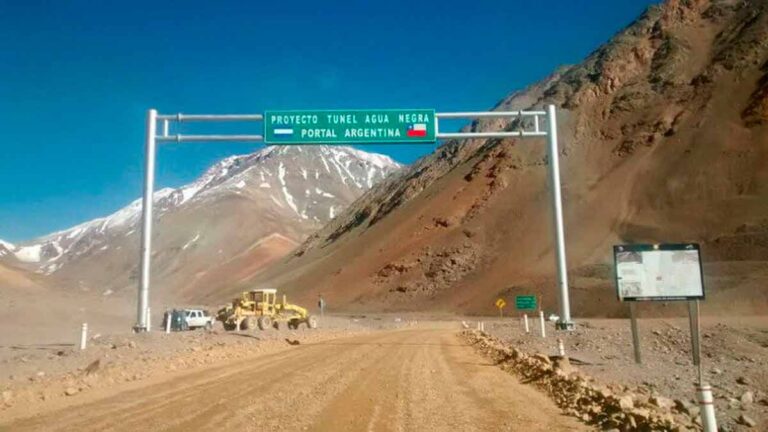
x=399 y=380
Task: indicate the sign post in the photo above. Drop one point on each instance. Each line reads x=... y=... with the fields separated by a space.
x=635 y=332
x=500 y=303
x=661 y=272
x=666 y=272
x=693 y=320
x=525 y=303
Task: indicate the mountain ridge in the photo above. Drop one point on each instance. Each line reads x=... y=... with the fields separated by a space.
x=658 y=142
x=287 y=192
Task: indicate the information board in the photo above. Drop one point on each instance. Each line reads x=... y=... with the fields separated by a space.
x=661 y=272
x=350 y=126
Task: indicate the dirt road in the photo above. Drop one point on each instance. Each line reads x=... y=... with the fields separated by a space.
x=402 y=380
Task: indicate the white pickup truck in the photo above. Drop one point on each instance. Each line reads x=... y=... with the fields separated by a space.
x=198 y=318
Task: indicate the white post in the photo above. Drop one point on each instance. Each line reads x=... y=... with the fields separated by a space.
x=525 y=320
x=560 y=348
x=146 y=221
x=168 y=316
x=482 y=326
x=564 y=323
x=541 y=320
x=83 y=336
x=707 y=404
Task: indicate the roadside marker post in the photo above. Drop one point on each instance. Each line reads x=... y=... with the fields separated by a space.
x=335 y=127
x=525 y=320
x=543 y=328
x=560 y=348
x=168 y=316
x=707 y=404
x=83 y=336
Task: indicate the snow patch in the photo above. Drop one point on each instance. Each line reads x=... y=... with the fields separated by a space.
x=191 y=242
x=378 y=160
x=331 y=213
x=240 y=184
x=325 y=163
x=324 y=193
x=47 y=270
x=265 y=185
x=288 y=197
x=29 y=254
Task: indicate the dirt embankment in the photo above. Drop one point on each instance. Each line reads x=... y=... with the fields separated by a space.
x=734 y=361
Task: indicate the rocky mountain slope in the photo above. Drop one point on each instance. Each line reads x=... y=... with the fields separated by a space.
x=241 y=214
x=663 y=138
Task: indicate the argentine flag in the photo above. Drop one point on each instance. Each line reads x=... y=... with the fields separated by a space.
x=283 y=132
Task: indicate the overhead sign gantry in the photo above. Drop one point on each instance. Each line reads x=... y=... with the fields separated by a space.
x=332 y=127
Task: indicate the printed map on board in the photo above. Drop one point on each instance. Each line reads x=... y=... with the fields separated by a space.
x=659 y=274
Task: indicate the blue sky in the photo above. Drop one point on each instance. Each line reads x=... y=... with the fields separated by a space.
x=76 y=78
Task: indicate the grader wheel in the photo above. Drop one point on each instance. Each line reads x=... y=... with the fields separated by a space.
x=265 y=322
x=248 y=323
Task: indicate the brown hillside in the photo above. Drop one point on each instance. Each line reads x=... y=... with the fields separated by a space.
x=663 y=138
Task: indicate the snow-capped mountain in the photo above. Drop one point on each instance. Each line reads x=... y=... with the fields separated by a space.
x=6 y=248
x=276 y=195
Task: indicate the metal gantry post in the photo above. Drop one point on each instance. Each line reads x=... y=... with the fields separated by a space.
x=565 y=322
x=146 y=221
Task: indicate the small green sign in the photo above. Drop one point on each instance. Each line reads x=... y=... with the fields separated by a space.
x=525 y=302
x=350 y=126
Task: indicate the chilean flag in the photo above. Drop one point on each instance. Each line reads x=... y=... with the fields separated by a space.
x=417 y=130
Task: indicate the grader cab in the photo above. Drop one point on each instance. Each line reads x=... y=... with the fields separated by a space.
x=260 y=308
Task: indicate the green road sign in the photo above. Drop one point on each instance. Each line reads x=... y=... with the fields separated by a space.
x=525 y=302
x=350 y=126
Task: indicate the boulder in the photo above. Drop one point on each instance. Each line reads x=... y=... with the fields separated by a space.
x=747 y=398
x=747 y=421
x=626 y=402
x=661 y=402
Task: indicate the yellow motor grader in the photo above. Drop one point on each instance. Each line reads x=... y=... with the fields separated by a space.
x=259 y=308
